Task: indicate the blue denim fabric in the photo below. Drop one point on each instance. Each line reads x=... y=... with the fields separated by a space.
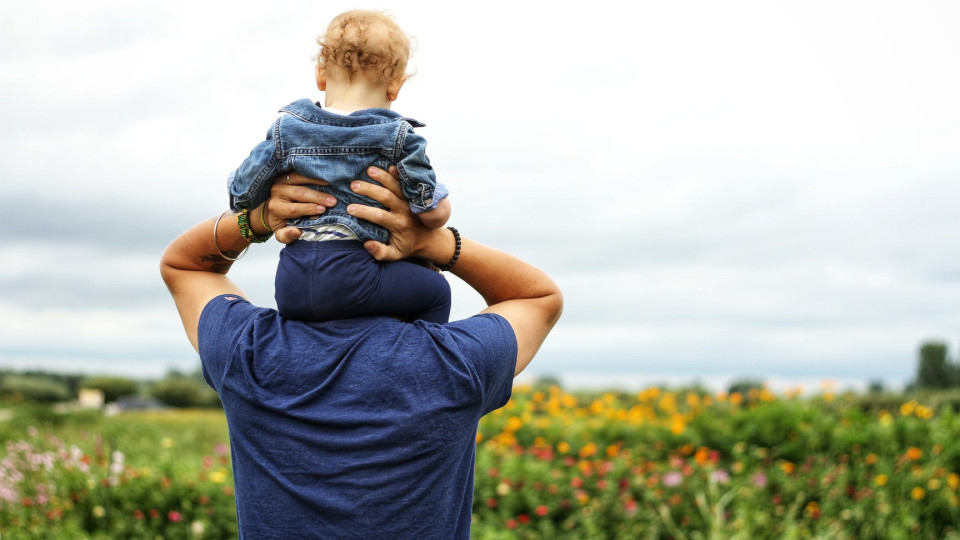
x=336 y=148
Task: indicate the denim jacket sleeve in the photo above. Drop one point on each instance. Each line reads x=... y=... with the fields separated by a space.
x=249 y=185
x=417 y=178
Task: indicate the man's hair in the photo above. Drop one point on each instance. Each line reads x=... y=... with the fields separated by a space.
x=369 y=43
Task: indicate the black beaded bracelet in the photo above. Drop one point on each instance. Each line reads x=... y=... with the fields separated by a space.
x=456 y=252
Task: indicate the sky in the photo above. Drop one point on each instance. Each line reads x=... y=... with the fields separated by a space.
x=723 y=190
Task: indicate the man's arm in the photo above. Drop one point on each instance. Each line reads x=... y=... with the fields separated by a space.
x=522 y=294
x=194 y=267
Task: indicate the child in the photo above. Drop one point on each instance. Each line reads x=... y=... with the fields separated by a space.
x=327 y=274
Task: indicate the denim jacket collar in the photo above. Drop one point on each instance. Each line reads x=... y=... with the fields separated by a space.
x=312 y=112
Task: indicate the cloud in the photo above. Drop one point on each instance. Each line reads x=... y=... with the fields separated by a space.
x=738 y=188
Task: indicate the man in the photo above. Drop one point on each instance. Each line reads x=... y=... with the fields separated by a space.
x=364 y=427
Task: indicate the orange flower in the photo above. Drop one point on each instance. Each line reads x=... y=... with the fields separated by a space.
x=914 y=453
x=917 y=493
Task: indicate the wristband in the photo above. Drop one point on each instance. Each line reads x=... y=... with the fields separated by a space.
x=243 y=222
x=263 y=221
x=456 y=252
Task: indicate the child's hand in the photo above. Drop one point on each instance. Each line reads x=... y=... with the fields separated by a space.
x=437 y=217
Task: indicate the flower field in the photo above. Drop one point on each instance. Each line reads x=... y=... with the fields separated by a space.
x=654 y=464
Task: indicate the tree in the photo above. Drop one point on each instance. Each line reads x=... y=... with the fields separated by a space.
x=934 y=369
x=112 y=387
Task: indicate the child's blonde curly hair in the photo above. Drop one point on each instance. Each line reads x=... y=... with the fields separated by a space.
x=365 y=42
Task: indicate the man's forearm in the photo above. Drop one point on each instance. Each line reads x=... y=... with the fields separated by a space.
x=499 y=276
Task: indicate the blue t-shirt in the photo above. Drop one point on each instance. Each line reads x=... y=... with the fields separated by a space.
x=354 y=428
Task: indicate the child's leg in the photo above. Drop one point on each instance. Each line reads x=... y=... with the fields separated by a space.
x=339 y=279
x=411 y=291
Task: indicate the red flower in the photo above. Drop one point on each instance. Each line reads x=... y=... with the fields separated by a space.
x=523 y=518
x=138 y=514
x=154 y=514
x=511 y=523
x=542 y=510
x=491 y=503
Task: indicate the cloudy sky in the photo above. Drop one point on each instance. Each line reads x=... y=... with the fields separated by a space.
x=722 y=189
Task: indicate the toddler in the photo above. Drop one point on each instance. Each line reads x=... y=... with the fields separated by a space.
x=327 y=274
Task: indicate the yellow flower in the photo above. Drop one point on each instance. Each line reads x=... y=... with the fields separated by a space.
x=589 y=450
x=98 y=511
x=917 y=493
x=881 y=480
x=677 y=424
x=907 y=408
x=933 y=484
x=563 y=447
x=166 y=442
x=218 y=477
x=953 y=480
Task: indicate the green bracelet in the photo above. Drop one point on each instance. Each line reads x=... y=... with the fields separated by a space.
x=243 y=222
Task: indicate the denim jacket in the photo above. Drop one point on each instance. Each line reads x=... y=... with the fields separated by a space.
x=336 y=148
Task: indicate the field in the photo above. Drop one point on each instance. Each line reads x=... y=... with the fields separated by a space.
x=655 y=464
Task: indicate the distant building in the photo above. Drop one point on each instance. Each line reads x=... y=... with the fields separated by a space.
x=91 y=398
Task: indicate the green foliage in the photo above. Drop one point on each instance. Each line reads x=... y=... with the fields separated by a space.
x=934 y=369
x=112 y=387
x=184 y=393
x=33 y=388
x=651 y=465
x=165 y=480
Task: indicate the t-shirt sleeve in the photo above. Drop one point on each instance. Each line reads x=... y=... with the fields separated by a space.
x=489 y=346
x=222 y=321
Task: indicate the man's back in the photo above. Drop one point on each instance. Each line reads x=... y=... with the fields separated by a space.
x=357 y=427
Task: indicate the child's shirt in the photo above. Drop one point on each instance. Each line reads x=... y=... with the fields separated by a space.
x=319 y=144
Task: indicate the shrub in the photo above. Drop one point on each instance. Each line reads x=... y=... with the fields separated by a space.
x=184 y=393
x=112 y=387
x=34 y=388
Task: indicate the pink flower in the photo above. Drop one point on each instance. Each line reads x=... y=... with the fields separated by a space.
x=672 y=478
x=720 y=476
x=174 y=516
x=760 y=480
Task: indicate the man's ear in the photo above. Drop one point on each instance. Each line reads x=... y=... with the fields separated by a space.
x=321 y=77
x=393 y=89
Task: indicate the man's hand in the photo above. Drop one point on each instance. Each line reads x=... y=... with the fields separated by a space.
x=290 y=198
x=408 y=236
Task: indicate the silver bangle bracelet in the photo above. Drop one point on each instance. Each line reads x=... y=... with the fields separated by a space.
x=216 y=225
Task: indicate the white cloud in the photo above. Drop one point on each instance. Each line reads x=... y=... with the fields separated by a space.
x=751 y=181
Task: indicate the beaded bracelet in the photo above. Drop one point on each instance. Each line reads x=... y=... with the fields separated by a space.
x=456 y=252
x=243 y=221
